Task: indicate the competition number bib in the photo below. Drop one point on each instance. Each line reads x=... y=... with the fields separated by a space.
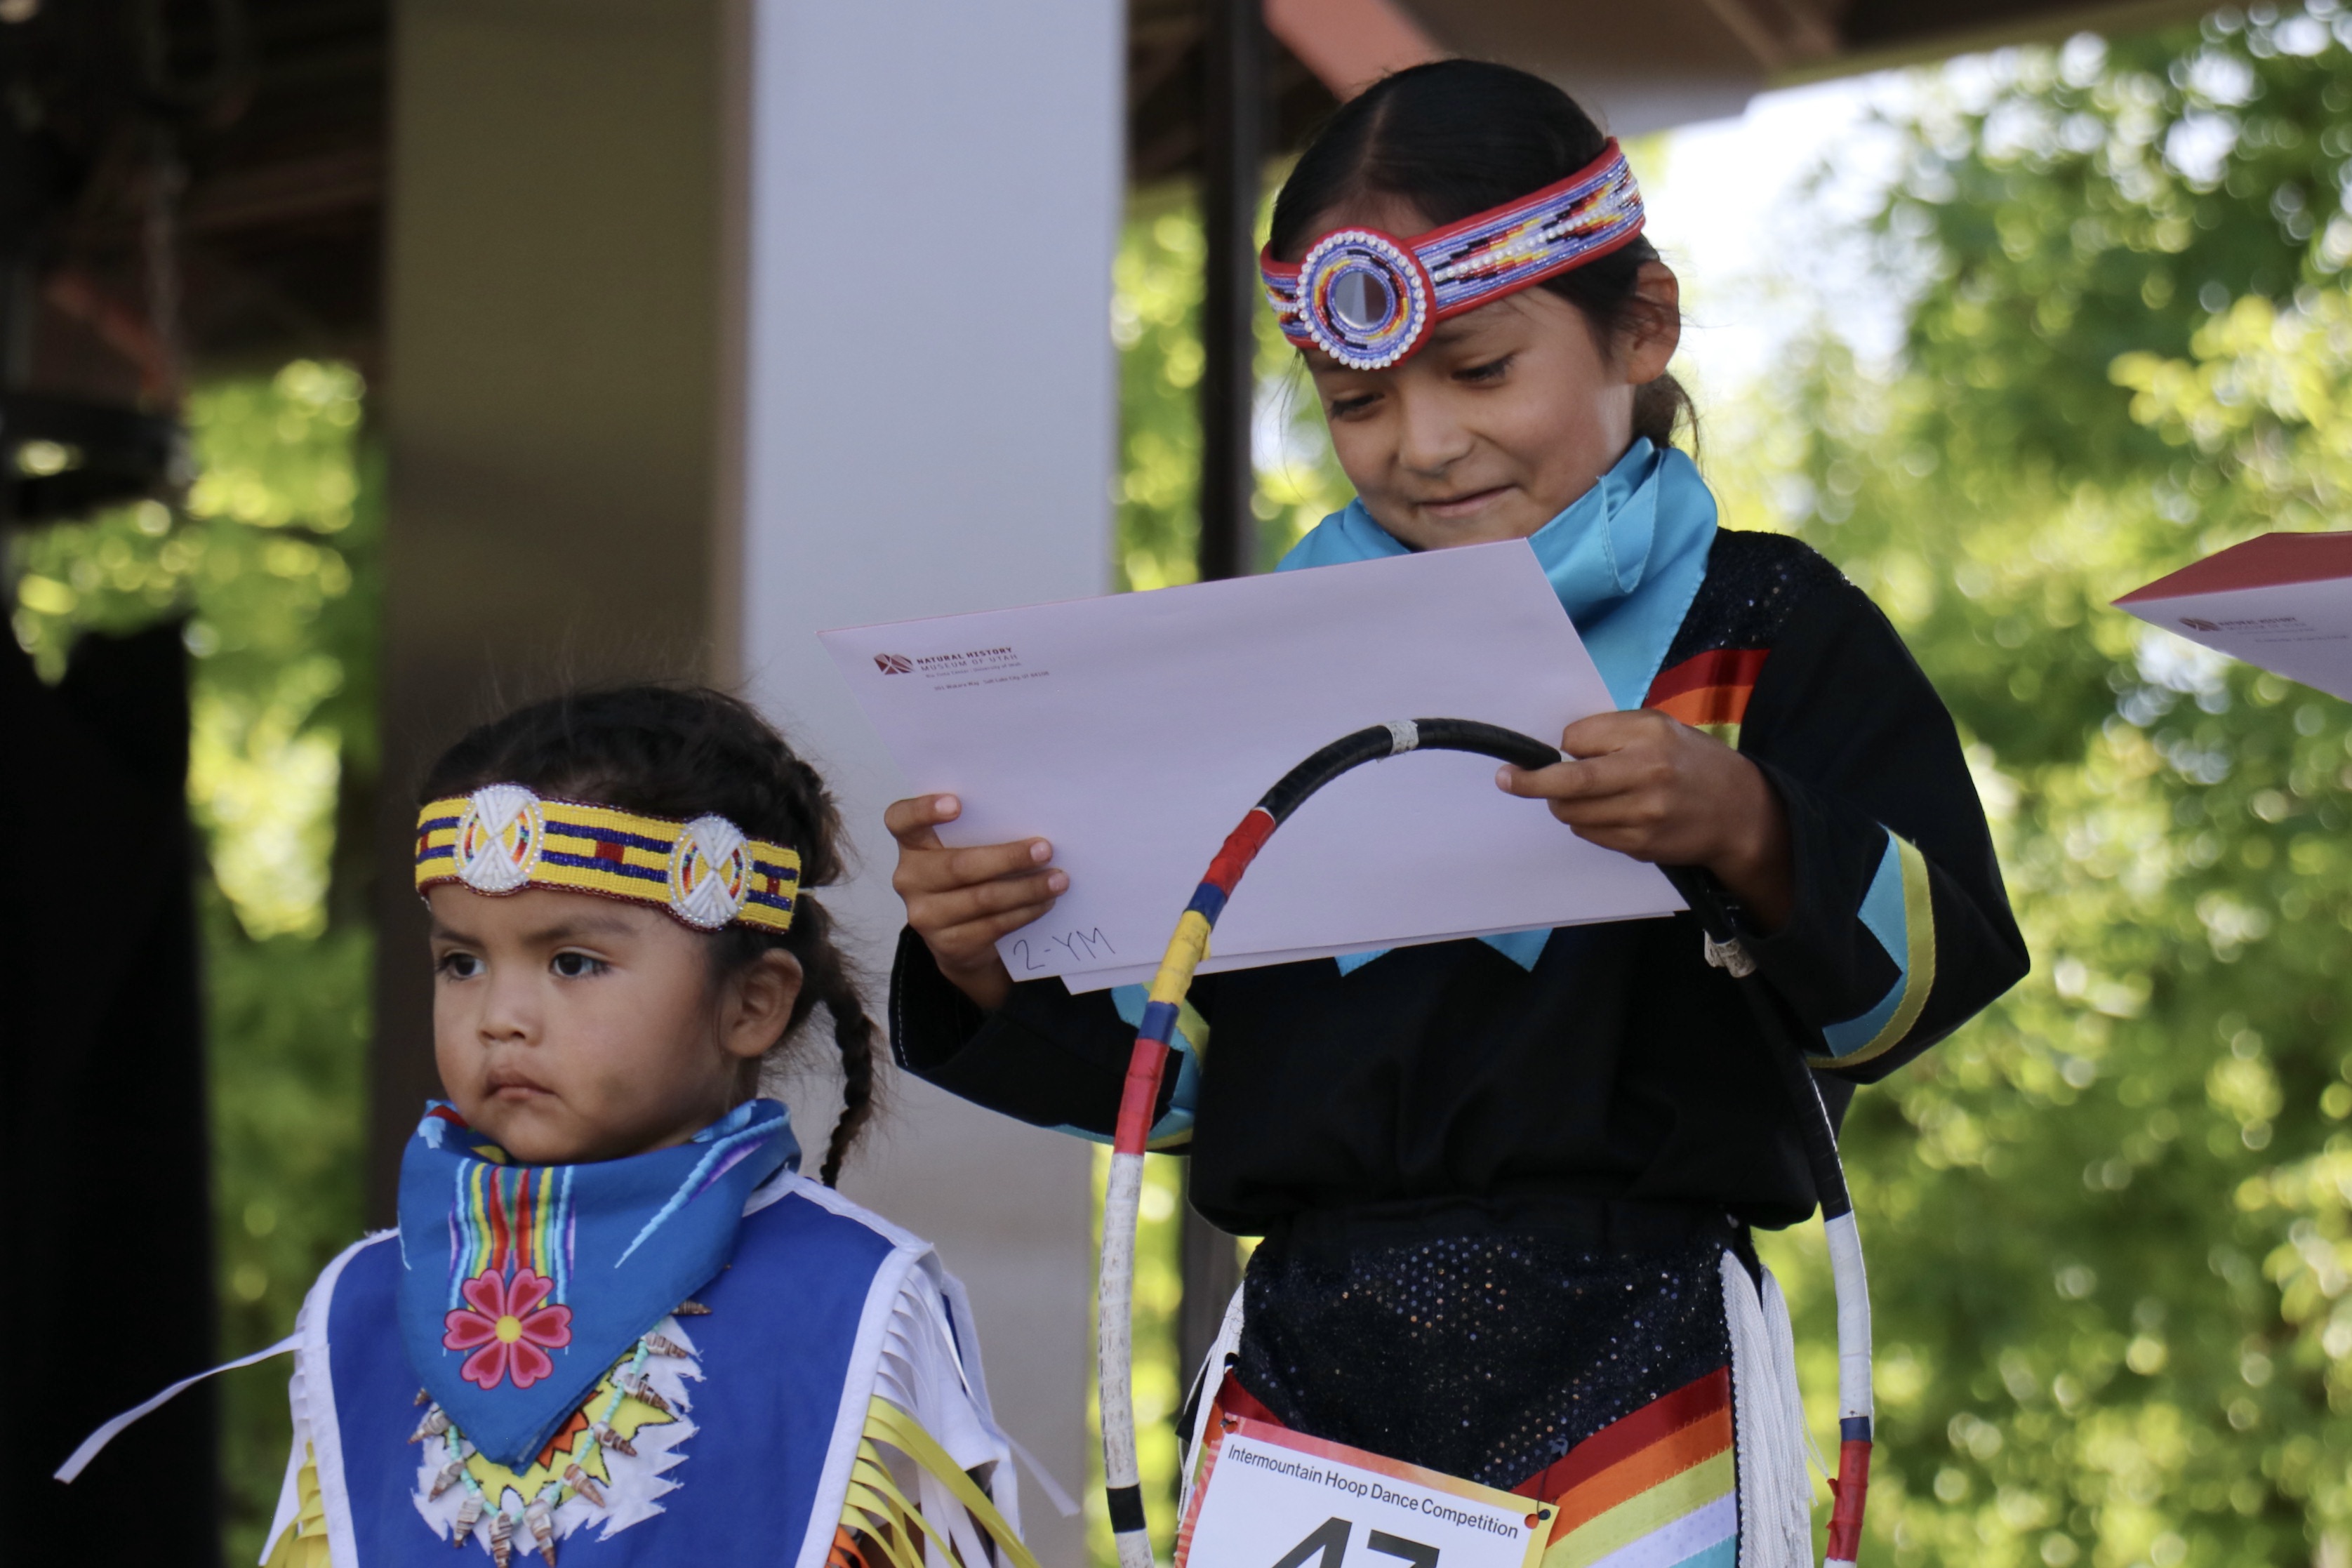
x=1270 y=1497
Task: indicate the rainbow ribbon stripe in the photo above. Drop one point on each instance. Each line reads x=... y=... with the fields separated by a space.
x=1654 y=1491
x=1710 y=692
x=505 y=1217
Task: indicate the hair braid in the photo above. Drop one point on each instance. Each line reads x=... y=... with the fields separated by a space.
x=830 y=982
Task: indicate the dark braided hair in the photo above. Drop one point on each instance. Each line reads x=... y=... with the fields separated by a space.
x=683 y=752
x=1456 y=137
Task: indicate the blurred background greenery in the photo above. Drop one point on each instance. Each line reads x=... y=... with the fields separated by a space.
x=2110 y=1224
x=272 y=561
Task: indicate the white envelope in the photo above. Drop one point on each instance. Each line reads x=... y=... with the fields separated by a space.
x=1136 y=731
x=2282 y=602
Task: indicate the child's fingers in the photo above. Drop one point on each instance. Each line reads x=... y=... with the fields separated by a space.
x=938 y=871
x=975 y=940
x=1562 y=781
x=1639 y=844
x=1605 y=732
x=1633 y=814
x=1635 y=769
x=958 y=905
x=912 y=821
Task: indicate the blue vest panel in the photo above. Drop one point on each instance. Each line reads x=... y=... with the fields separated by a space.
x=776 y=1354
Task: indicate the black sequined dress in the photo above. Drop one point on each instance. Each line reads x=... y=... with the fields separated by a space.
x=1484 y=1346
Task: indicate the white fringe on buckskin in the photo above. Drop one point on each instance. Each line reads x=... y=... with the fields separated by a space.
x=1775 y=1495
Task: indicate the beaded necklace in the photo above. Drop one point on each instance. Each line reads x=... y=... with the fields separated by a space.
x=535 y=1521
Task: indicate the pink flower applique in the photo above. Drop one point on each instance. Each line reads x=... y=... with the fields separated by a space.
x=505 y=1319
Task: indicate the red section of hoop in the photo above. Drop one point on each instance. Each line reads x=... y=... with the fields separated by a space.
x=1241 y=848
x=1851 y=1487
x=1142 y=1093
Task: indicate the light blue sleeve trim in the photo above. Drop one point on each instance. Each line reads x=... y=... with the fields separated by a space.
x=1521 y=947
x=1881 y=915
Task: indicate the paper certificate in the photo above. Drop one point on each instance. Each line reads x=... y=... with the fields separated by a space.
x=1136 y=731
x=2282 y=602
x=1269 y=1498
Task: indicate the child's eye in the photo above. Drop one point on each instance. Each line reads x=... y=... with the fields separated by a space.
x=1345 y=408
x=458 y=966
x=1491 y=371
x=578 y=965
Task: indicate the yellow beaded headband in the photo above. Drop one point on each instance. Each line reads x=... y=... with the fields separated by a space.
x=503 y=838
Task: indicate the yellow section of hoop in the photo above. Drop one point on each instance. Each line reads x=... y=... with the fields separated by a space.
x=1186 y=948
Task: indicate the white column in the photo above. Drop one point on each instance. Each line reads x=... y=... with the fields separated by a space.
x=928 y=427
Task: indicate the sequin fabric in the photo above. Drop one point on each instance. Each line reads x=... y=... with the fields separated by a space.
x=1484 y=1355
x=1755 y=582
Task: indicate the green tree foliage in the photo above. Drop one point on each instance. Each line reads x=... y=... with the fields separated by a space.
x=272 y=561
x=1156 y=325
x=2108 y=1222
x=2103 y=200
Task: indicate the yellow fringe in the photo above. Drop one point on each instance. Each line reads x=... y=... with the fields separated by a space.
x=877 y=1510
x=304 y=1544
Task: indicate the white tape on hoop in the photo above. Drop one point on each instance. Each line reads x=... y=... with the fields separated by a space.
x=1852 y=1317
x=1114 y=1342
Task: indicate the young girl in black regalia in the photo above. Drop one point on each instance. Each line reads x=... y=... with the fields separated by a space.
x=615 y=1320
x=1505 y=1186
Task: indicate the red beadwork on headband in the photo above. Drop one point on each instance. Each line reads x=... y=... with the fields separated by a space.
x=1368 y=299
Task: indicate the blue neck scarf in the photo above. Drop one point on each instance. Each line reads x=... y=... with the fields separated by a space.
x=521 y=1285
x=1626 y=559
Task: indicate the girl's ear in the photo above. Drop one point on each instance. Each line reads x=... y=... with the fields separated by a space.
x=1653 y=323
x=757 y=1003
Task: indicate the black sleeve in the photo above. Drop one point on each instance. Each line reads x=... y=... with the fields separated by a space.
x=1046 y=1057
x=1901 y=931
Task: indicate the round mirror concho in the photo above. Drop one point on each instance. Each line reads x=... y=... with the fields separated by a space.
x=1365 y=298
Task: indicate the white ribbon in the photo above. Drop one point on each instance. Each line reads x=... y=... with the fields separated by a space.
x=1063 y=1503
x=113 y=1429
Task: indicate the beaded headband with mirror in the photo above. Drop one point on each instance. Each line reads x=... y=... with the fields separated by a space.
x=1368 y=300
x=503 y=838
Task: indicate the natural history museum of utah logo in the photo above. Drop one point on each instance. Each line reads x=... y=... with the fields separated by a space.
x=893 y=664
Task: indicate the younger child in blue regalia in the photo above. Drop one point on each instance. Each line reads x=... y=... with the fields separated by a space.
x=615 y=1320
